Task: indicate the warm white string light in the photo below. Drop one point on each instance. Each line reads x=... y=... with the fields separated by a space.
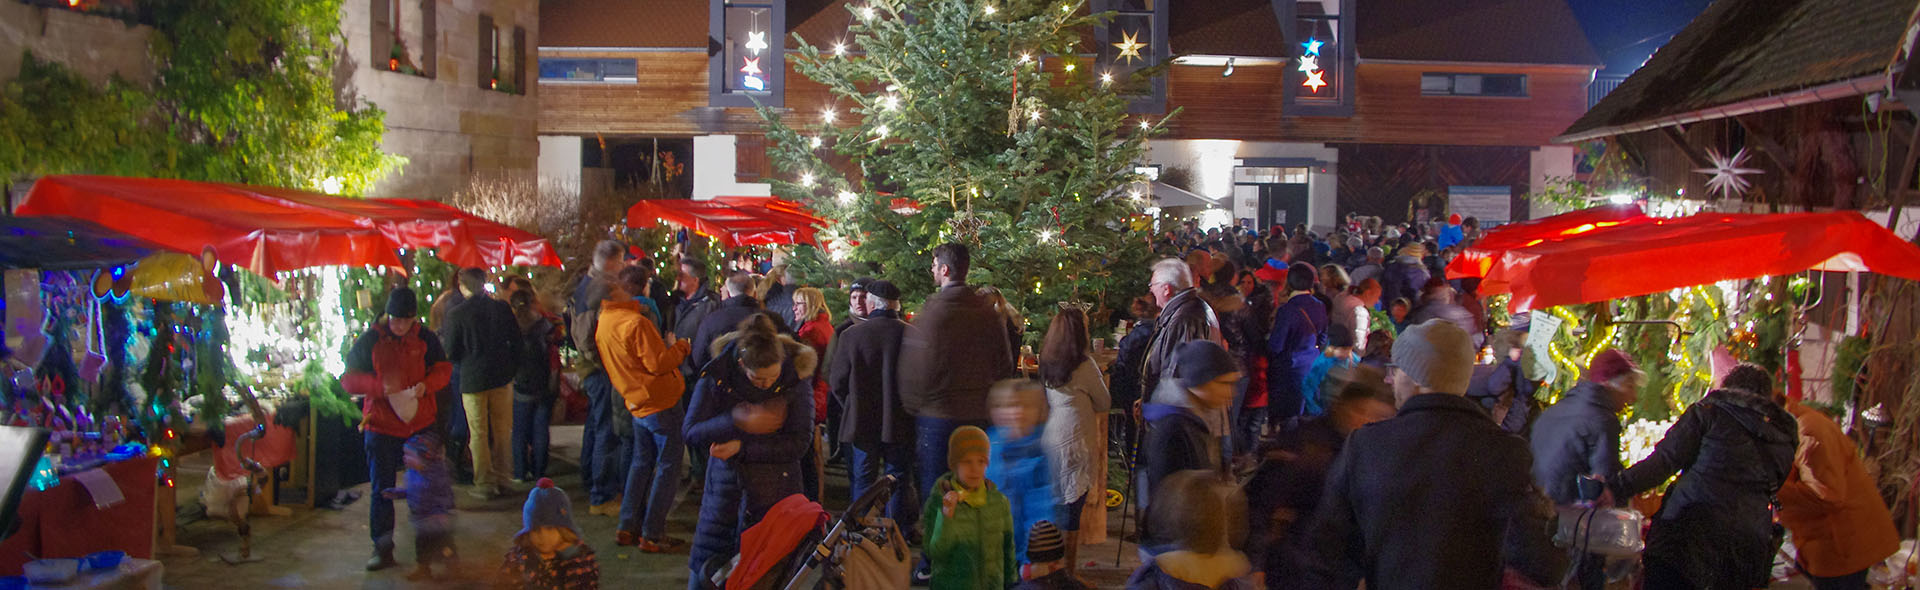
x=827 y=115
x=1106 y=78
x=867 y=12
x=889 y=102
x=814 y=142
x=1026 y=57
x=806 y=179
x=839 y=49
x=847 y=197
x=881 y=131
x=1034 y=115
x=989 y=9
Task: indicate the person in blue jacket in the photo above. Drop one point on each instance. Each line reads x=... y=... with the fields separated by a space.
x=753 y=411
x=1017 y=463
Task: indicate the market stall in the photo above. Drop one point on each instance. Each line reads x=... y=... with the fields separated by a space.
x=732 y=221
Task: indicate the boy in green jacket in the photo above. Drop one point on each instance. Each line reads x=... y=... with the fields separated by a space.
x=969 y=523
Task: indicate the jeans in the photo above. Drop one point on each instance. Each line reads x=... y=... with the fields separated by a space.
x=896 y=459
x=451 y=420
x=931 y=441
x=602 y=457
x=490 y=418
x=1248 y=429
x=658 y=448
x=384 y=459
x=531 y=440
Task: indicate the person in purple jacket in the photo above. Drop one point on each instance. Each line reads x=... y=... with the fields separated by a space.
x=1299 y=331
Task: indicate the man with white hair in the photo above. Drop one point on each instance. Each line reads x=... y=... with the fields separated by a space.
x=1184 y=317
x=864 y=377
x=1438 y=496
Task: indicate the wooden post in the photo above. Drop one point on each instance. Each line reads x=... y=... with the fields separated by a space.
x=166 y=525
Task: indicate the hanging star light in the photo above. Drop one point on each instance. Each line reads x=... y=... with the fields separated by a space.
x=1313 y=46
x=1130 y=47
x=756 y=42
x=1315 y=81
x=752 y=67
x=1729 y=174
x=1309 y=63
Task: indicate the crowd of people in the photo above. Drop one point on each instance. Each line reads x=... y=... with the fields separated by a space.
x=1298 y=410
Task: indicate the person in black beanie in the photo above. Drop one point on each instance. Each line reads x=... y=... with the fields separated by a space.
x=1185 y=427
x=396 y=366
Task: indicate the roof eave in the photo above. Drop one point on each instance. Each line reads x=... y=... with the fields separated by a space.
x=1832 y=91
x=1479 y=64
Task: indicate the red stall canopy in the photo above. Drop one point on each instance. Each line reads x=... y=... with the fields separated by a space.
x=1477 y=259
x=271 y=230
x=734 y=221
x=1656 y=255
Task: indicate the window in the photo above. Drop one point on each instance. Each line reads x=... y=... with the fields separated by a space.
x=403 y=36
x=746 y=64
x=1506 y=85
x=1134 y=40
x=502 y=57
x=1318 y=81
x=617 y=71
x=489 y=74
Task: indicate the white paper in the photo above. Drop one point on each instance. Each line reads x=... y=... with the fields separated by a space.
x=101 y=486
x=1541 y=330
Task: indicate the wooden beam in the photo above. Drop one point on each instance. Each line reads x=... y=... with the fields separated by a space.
x=1680 y=141
x=1898 y=189
x=1774 y=151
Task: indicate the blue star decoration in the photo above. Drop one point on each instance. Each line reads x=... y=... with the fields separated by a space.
x=1313 y=46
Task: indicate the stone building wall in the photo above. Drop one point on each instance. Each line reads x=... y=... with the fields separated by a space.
x=97 y=47
x=450 y=129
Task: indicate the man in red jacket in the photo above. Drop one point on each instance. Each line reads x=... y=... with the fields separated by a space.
x=396 y=367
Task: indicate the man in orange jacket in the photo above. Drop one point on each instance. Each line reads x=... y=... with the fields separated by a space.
x=1833 y=508
x=646 y=371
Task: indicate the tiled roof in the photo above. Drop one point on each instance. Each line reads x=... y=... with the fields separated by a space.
x=1744 y=49
x=1478 y=31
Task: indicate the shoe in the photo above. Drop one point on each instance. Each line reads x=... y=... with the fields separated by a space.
x=661 y=545
x=626 y=539
x=381 y=561
x=421 y=573
x=484 y=492
x=922 y=576
x=609 y=508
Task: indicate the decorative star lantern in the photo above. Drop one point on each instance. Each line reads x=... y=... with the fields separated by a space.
x=1130 y=47
x=1309 y=63
x=752 y=67
x=1315 y=80
x=1312 y=46
x=756 y=42
x=1729 y=174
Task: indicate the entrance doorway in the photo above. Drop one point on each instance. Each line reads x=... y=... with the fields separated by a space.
x=1279 y=193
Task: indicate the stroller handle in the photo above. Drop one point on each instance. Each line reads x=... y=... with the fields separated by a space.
x=877 y=494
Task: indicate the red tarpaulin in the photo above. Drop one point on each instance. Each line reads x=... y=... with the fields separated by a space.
x=733 y=221
x=1477 y=259
x=271 y=230
x=1656 y=255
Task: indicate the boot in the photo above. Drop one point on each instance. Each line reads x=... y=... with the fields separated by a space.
x=382 y=555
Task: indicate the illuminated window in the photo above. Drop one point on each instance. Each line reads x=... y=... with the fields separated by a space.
x=1134 y=40
x=1502 y=85
x=748 y=58
x=1319 y=77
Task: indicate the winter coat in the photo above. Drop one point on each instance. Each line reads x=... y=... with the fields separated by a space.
x=974 y=548
x=1299 y=330
x=534 y=371
x=1833 y=507
x=779 y=300
x=584 y=315
x=484 y=340
x=1018 y=466
x=1186 y=318
x=643 y=368
x=865 y=377
x=379 y=358
x=1733 y=450
x=575 y=568
x=1403 y=278
x=1283 y=494
x=687 y=317
x=1437 y=497
x=1255 y=320
x=767 y=468
x=1578 y=436
x=1351 y=314
x=1316 y=400
x=429 y=489
x=724 y=319
x=958 y=352
x=1177 y=440
x=1507 y=379
x=1156 y=575
x=1129 y=362
x=1072 y=435
x=818 y=333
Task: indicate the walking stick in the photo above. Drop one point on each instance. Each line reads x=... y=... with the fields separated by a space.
x=1120 y=547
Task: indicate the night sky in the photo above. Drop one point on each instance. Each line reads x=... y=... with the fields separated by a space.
x=1626 y=32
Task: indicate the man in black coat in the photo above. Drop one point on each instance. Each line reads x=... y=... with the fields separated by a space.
x=726 y=318
x=484 y=340
x=958 y=352
x=864 y=376
x=1438 y=497
x=1579 y=439
x=1182 y=431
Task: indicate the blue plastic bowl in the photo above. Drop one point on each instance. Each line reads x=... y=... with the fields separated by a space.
x=13 y=583
x=105 y=560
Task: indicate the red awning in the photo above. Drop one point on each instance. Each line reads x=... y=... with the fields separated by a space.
x=1477 y=259
x=1655 y=255
x=733 y=221
x=271 y=230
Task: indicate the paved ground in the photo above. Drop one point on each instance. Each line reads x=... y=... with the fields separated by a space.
x=328 y=549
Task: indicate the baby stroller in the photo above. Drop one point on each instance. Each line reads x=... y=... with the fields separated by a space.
x=789 y=550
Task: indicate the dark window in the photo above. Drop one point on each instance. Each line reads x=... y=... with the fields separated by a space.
x=403 y=36
x=1319 y=77
x=1505 y=85
x=489 y=74
x=747 y=60
x=624 y=71
x=1134 y=40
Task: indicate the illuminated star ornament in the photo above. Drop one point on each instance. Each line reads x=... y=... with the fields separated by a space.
x=756 y=41
x=1315 y=80
x=1309 y=63
x=1729 y=174
x=1130 y=47
x=1313 y=46
x=752 y=68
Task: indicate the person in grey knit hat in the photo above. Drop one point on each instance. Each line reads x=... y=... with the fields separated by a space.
x=1436 y=497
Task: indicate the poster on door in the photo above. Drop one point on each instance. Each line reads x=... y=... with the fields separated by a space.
x=1493 y=205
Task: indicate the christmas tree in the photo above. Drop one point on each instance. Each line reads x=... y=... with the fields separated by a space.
x=972 y=122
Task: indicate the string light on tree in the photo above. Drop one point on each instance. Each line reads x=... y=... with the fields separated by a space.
x=806 y=179
x=1034 y=115
x=814 y=142
x=839 y=49
x=847 y=197
x=881 y=131
x=867 y=12
x=1026 y=57
x=989 y=9
x=889 y=102
x=1106 y=78
x=827 y=115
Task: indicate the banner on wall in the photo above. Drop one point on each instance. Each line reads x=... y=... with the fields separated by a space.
x=1493 y=205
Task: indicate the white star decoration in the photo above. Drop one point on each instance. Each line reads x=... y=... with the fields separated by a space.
x=1315 y=80
x=1129 y=46
x=1729 y=174
x=756 y=41
x=752 y=66
x=1309 y=63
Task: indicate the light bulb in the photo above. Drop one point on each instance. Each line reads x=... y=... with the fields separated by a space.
x=889 y=102
x=827 y=115
x=1035 y=115
x=847 y=197
x=868 y=12
x=1106 y=78
x=839 y=49
x=815 y=143
x=1144 y=124
x=1026 y=57
x=1069 y=66
x=1046 y=235
x=989 y=9
x=1066 y=7
x=881 y=131
x=806 y=179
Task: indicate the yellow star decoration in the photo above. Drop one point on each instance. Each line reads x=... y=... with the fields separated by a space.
x=1130 y=46
x=1315 y=81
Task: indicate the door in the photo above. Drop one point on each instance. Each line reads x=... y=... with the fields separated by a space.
x=1282 y=204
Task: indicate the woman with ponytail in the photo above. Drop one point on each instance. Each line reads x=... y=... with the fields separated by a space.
x=752 y=409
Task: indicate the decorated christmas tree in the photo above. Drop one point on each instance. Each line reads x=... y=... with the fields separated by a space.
x=974 y=122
